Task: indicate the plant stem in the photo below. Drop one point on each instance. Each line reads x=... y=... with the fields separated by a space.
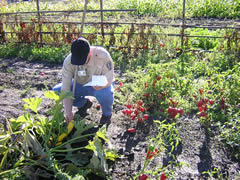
x=71 y=140
x=68 y=150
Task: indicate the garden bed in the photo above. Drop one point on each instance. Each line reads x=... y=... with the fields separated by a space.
x=199 y=151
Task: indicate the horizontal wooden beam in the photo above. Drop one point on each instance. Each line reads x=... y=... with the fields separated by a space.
x=75 y=11
x=137 y=24
x=153 y=34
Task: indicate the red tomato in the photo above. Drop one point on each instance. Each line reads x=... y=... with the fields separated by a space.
x=146 y=116
x=129 y=106
x=159 y=77
x=163 y=177
x=143 y=177
x=132 y=130
x=141 y=120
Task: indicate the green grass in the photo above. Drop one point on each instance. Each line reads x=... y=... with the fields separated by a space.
x=166 y=8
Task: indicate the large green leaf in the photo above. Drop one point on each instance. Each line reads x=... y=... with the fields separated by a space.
x=51 y=95
x=79 y=159
x=91 y=146
x=98 y=162
x=102 y=133
x=4 y=160
x=31 y=142
x=3 y=149
x=111 y=155
x=81 y=127
x=22 y=121
x=76 y=172
x=72 y=169
x=4 y=139
x=58 y=97
x=101 y=155
x=39 y=173
x=32 y=103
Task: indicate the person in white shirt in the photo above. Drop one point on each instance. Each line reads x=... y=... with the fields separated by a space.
x=90 y=60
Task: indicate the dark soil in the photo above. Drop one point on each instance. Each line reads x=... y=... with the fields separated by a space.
x=200 y=149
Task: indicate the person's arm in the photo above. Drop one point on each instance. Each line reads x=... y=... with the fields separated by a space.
x=67 y=103
x=99 y=87
x=67 y=75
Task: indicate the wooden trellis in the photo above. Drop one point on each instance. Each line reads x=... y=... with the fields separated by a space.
x=9 y=19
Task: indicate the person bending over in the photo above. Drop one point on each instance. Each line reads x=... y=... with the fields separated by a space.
x=90 y=61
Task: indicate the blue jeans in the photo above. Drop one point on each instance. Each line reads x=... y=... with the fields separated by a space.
x=104 y=96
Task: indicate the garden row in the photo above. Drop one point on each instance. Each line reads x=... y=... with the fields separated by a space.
x=202 y=84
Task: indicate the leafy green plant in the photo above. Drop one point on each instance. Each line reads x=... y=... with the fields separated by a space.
x=9 y=50
x=33 y=141
x=230 y=134
x=159 y=85
x=214 y=8
x=199 y=8
x=203 y=88
x=26 y=91
x=150 y=7
x=203 y=42
x=166 y=140
x=53 y=55
x=2 y=88
x=231 y=43
x=216 y=174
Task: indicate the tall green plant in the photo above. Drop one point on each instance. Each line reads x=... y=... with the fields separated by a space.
x=33 y=141
x=166 y=141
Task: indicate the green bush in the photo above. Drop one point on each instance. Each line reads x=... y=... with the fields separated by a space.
x=49 y=54
x=152 y=7
x=215 y=8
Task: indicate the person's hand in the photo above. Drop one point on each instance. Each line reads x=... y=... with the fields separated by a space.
x=69 y=117
x=68 y=109
x=98 y=87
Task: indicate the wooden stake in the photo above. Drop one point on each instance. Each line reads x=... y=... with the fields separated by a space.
x=183 y=24
x=102 y=28
x=76 y=67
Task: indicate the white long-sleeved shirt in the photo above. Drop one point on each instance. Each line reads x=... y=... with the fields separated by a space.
x=100 y=63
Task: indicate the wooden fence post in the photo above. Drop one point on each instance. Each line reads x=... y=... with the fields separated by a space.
x=83 y=17
x=76 y=67
x=39 y=23
x=183 y=24
x=2 y=34
x=102 y=28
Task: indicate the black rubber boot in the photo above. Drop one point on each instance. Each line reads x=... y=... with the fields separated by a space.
x=105 y=120
x=83 y=110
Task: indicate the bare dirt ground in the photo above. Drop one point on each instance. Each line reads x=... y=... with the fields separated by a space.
x=198 y=148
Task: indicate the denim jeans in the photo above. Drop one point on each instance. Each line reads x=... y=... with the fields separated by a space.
x=104 y=96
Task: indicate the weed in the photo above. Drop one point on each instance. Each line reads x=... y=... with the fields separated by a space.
x=26 y=91
x=167 y=141
x=216 y=174
x=2 y=88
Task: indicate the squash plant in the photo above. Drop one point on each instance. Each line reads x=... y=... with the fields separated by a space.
x=31 y=147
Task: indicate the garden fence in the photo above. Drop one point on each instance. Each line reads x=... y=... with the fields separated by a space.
x=61 y=27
